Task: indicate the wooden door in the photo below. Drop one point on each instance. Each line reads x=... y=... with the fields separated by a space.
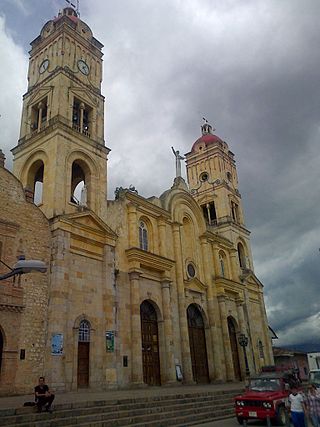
x=83 y=364
x=198 y=349
x=150 y=344
x=234 y=349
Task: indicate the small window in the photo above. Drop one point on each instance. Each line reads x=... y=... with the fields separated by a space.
x=143 y=236
x=222 y=264
x=235 y=212
x=204 y=176
x=229 y=176
x=260 y=348
x=209 y=213
x=191 y=270
x=39 y=114
x=81 y=117
x=84 y=331
x=241 y=256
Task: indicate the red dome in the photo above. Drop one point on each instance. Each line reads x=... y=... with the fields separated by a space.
x=208 y=139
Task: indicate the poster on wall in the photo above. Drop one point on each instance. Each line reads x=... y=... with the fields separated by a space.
x=110 y=341
x=57 y=344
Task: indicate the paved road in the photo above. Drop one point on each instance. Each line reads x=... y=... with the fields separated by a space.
x=231 y=422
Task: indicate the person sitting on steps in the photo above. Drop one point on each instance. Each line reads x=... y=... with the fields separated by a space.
x=43 y=396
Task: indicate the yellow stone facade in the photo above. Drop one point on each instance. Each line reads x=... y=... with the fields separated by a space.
x=140 y=291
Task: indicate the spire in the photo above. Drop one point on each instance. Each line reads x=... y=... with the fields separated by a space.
x=206 y=128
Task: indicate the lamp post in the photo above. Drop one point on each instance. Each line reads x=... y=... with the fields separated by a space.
x=243 y=341
x=23 y=266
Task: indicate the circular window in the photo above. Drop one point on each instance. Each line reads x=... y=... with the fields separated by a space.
x=191 y=270
x=204 y=176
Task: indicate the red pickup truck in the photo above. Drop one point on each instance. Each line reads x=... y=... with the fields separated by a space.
x=267 y=395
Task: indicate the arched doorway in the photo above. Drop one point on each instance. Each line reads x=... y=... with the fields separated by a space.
x=1 y=349
x=234 y=348
x=198 y=348
x=150 y=344
x=83 y=354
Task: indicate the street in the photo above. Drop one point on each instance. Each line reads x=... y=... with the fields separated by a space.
x=232 y=422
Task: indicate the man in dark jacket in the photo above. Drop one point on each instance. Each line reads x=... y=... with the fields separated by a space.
x=43 y=396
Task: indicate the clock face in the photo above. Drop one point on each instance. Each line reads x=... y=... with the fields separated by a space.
x=44 y=66
x=83 y=67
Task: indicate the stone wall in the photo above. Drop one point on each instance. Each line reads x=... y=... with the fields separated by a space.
x=23 y=301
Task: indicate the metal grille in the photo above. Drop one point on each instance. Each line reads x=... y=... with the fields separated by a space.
x=84 y=331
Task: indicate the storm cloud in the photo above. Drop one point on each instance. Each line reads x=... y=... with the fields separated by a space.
x=251 y=68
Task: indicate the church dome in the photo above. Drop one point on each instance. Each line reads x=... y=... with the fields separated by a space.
x=206 y=139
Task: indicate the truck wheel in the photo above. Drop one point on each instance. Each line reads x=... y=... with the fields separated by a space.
x=281 y=417
x=240 y=420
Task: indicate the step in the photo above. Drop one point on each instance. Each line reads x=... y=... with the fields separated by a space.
x=114 y=411
x=129 y=418
x=117 y=408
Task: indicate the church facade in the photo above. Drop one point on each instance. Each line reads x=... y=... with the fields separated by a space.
x=139 y=291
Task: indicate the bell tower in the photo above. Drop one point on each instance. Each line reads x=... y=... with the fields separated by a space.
x=61 y=157
x=213 y=182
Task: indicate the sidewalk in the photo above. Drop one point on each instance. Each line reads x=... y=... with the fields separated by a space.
x=89 y=395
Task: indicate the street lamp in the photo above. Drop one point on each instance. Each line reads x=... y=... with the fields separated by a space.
x=243 y=341
x=23 y=266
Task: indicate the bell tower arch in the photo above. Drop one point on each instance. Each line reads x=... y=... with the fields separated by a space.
x=61 y=151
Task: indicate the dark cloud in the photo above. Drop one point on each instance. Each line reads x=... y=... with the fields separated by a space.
x=251 y=68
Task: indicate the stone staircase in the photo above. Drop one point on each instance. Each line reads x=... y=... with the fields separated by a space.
x=181 y=409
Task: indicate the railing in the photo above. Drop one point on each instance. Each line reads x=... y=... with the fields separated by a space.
x=54 y=120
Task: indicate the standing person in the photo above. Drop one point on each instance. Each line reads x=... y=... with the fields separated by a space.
x=296 y=406
x=43 y=396
x=312 y=404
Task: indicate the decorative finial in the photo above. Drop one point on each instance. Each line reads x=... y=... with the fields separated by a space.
x=206 y=128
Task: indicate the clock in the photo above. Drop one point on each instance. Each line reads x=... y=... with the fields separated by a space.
x=83 y=67
x=44 y=66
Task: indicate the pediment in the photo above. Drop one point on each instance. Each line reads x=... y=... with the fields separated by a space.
x=195 y=285
x=86 y=224
x=250 y=278
x=39 y=94
x=84 y=96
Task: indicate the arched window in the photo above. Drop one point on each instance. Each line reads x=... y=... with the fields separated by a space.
x=143 y=236
x=241 y=256
x=223 y=264
x=35 y=181
x=79 y=183
x=84 y=331
x=260 y=348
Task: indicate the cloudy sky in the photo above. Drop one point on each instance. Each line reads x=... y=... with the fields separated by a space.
x=251 y=67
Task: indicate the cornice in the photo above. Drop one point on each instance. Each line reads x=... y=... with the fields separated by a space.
x=138 y=258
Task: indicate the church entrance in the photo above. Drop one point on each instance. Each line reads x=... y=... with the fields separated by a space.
x=198 y=348
x=234 y=349
x=150 y=344
x=83 y=354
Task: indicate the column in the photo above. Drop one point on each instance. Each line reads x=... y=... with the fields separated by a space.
x=136 y=342
x=133 y=226
x=162 y=237
x=40 y=108
x=226 y=338
x=243 y=330
x=234 y=265
x=81 y=116
x=170 y=375
x=212 y=314
x=183 y=322
x=216 y=261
